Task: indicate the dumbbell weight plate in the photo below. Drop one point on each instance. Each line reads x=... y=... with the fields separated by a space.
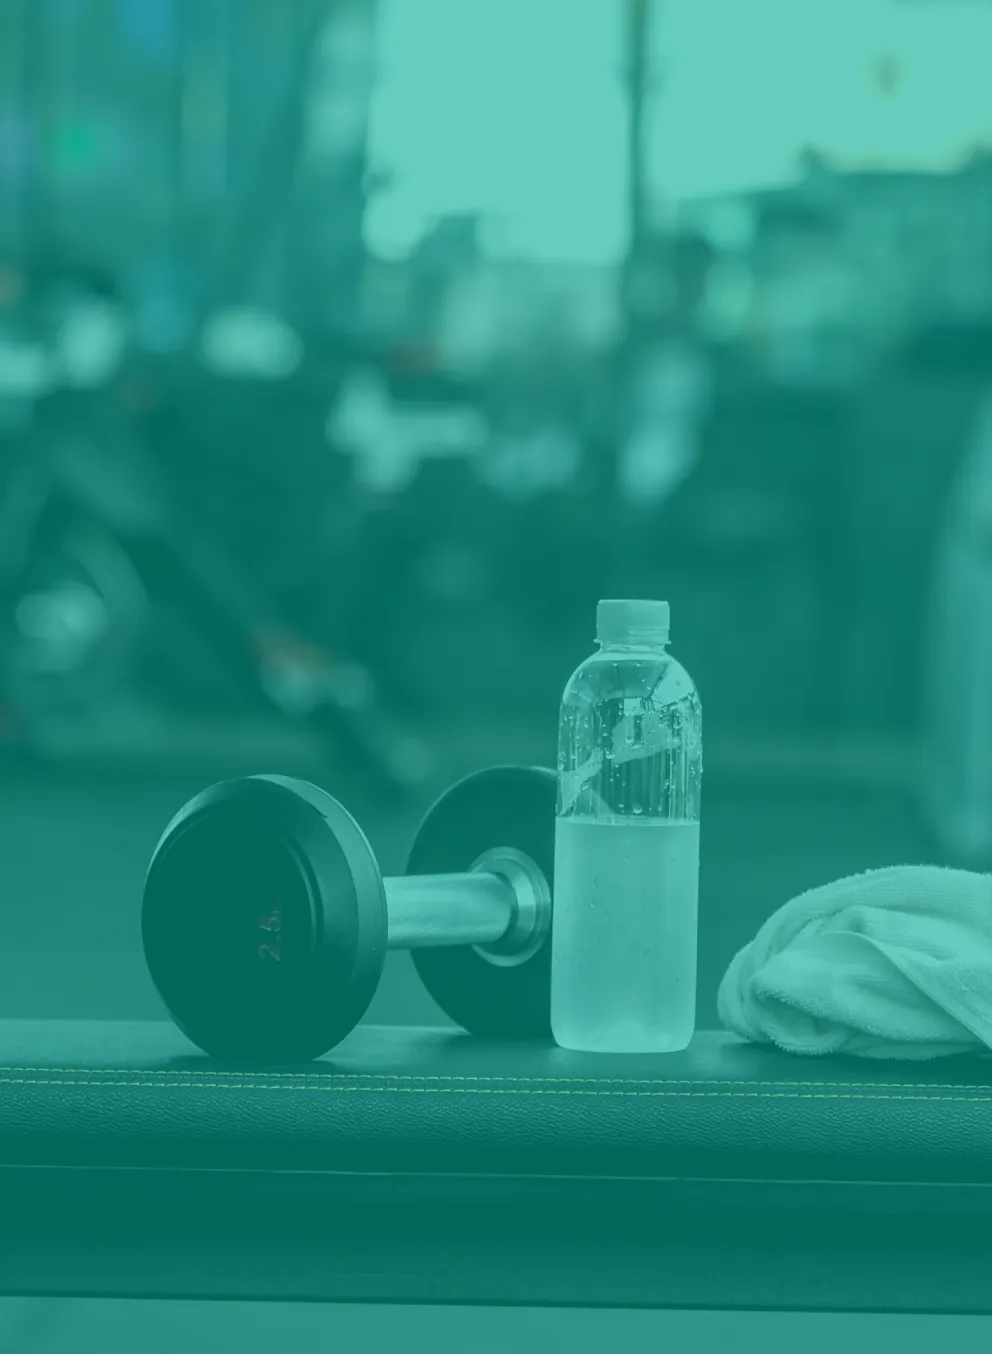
x=505 y=807
x=264 y=920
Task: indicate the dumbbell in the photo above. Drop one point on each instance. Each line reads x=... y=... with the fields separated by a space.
x=266 y=919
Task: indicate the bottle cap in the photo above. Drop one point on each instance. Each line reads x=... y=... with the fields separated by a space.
x=626 y=621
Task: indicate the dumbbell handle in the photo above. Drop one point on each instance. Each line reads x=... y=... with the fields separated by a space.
x=504 y=904
x=448 y=909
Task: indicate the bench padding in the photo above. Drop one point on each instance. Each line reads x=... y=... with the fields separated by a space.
x=422 y=1165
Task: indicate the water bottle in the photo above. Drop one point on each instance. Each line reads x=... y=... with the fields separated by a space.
x=623 y=976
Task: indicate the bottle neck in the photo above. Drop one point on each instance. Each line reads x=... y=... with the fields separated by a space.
x=653 y=647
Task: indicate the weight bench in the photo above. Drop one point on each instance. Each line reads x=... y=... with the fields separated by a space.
x=425 y=1166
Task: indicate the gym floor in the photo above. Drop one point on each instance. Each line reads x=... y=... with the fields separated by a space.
x=74 y=850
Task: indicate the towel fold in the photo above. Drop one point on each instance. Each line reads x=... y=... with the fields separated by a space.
x=893 y=963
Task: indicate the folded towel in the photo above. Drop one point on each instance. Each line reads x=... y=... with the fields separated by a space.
x=894 y=963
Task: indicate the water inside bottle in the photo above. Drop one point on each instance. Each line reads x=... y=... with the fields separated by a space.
x=625 y=946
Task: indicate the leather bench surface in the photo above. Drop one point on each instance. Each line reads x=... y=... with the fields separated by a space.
x=411 y=1099
x=420 y=1165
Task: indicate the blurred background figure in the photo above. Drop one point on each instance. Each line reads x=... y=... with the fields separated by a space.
x=957 y=708
x=666 y=402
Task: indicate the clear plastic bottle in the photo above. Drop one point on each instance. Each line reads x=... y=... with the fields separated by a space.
x=623 y=974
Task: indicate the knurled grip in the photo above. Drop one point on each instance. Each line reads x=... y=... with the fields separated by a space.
x=448 y=909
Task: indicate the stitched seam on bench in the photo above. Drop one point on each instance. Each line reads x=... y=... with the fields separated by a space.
x=321 y=1078
x=331 y=1088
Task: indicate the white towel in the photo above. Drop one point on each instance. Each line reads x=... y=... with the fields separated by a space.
x=894 y=963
